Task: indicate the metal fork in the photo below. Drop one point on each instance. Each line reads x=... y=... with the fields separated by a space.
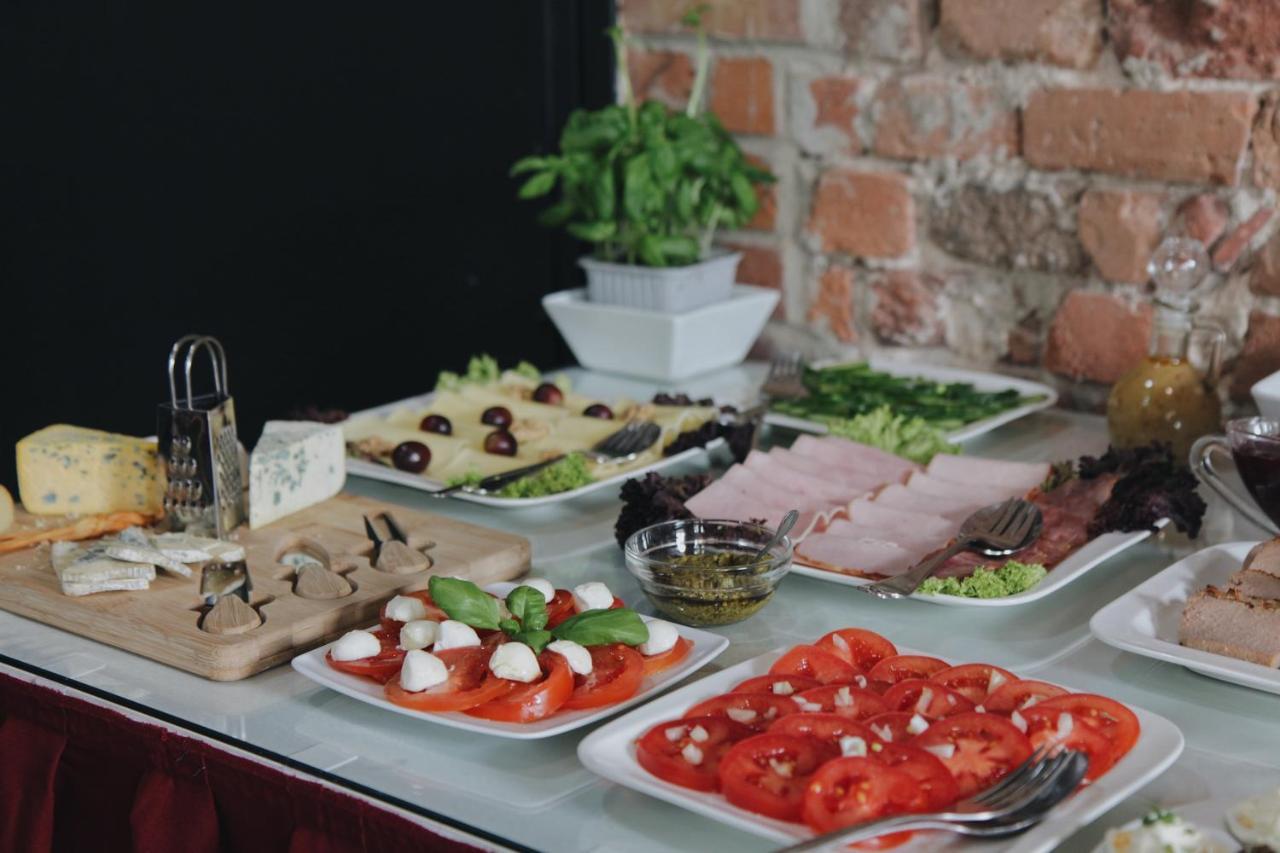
x=997 y=531
x=1016 y=803
x=786 y=378
x=623 y=445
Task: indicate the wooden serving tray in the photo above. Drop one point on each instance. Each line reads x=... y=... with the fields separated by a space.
x=164 y=622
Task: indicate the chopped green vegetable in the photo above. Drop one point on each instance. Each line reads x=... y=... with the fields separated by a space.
x=1160 y=816
x=1010 y=579
x=481 y=370
x=909 y=437
x=471 y=478
x=1059 y=473
x=847 y=390
x=563 y=476
x=528 y=371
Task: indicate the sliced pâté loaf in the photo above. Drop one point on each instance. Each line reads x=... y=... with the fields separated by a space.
x=1259 y=577
x=1225 y=622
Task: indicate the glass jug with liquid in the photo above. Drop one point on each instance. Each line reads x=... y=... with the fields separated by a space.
x=1165 y=397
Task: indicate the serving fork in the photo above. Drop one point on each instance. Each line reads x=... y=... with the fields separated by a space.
x=1014 y=804
x=997 y=531
x=624 y=445
x=786 y=378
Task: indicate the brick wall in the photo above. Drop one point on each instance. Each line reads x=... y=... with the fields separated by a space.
x=982 y=181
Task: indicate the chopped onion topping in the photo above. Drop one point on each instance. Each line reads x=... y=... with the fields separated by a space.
x=675 y=733
x=942 y=750
x=783 y=688
x=692 y=754
x=741 y=715
x=698 y=733
x=1019 y=721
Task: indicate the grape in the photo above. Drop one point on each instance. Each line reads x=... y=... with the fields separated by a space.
x=412 y=456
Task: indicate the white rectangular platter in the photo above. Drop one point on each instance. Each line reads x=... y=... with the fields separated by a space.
x=387 y=474
x=1145 y=619
x=706 y=647
x=610 y=752
x=1092 y=553
x=981 y=381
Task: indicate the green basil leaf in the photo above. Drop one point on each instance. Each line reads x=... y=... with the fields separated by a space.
x=529 y=164
x=601 y=627
x=536 y=640
x=465 y=602
x=529 y=606
x=509 y=626
x=592 y=232
x=539 y=184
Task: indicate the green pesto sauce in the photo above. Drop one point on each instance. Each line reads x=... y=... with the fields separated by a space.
x=708 y=595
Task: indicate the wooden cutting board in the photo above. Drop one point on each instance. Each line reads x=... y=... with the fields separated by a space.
x=164 y=623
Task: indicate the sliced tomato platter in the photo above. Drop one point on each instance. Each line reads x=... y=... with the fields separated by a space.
x=850 y=728
x=472 y=698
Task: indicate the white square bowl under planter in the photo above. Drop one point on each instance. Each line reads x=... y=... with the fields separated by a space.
x=1266 y=394
x=667 y=289
x=656 y=345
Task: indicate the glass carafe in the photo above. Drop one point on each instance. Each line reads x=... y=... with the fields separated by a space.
x=1165 y=397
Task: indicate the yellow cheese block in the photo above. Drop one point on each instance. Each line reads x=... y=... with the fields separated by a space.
x=6 y=509
x=72 y=470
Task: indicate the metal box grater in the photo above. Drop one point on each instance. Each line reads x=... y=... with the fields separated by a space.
x=197 y=441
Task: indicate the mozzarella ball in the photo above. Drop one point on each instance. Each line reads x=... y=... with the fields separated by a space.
x=405 y=608
x=355 y=645
x=419 y=634
x=422 y=670
x=455 y=635
x=662 y=638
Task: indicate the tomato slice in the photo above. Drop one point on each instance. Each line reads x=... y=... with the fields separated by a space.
x=654 y=664
x=973 y=680
x=616 y=673
x=383 y=666
x=891 y=670
x=536 y=700
x=1008 y=698
x=1101 y=728
x=939 y=701
x=779 y=685
x=891 y=727
x=842 y=699
x=559 y=608
x=934 y=786
x=666 y=748
x=433 y=612
x=757 y=710
x=767 y=774
x=816 y=663
x=824 y=727
x=470 y=684
x=853 y=790
x=864 y=649
x=977 y=748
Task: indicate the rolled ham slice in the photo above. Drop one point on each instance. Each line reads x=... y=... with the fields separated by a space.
x=771 y=470
x=899 y=496
x=1018 y=477
x=893 y=521
x=866 y=557
x=825 y=471
x=970 y=493
x=885 y=467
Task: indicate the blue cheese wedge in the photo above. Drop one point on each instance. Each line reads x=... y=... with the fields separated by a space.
x=70 y=470
x=296 y=464
x=84 y=569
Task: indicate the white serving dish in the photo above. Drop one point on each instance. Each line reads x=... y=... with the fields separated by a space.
x=659 y=346
x=668 y=289
x=981 y=381
x=1266 y=394
x=1206 y=814
x=610 y=752
x=706 y=647
x=1092 y=553
x=1145 y=620
x=387 y=474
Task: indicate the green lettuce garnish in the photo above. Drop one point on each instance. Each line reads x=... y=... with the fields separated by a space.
x=481 y=370
x=909 y=437
x=471 y=478
x=528 y=371
x=1010 y=579
x=563 y=476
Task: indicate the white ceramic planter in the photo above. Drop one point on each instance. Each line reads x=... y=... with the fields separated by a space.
x=668 y=289
x=659 y=345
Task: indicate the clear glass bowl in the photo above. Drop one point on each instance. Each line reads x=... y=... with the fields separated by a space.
x=705 y=593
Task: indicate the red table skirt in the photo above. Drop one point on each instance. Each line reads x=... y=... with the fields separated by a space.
x=75 y=776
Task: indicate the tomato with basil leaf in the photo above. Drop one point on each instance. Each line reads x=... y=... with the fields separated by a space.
x=929 y=699
x=616 y=673
x=858 y=646
x=654 y=664
x=813 y=662
x=891 y=670
x=973 y=681
x=1008 y=698
x=688 y=752
x=537 y=700
x=470 y=683
x=757 y=710
x=383 y=666
x=779 y=685
x=842 y=699
x=767 y=774
x=978 y=749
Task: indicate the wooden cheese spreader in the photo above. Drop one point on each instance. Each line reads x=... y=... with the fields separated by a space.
x=298 y=610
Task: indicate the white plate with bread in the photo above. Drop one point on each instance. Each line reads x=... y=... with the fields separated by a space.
x=1216 y=612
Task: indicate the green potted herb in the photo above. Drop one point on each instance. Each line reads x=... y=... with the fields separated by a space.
x=649 y=186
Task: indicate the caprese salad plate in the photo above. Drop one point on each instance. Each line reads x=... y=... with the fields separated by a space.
x=791 y=743
x=1145 y=620
x=378 y=680
x=1087 y=557
x=1037 y=396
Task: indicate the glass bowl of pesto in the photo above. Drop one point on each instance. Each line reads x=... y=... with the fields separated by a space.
x=704 y=572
